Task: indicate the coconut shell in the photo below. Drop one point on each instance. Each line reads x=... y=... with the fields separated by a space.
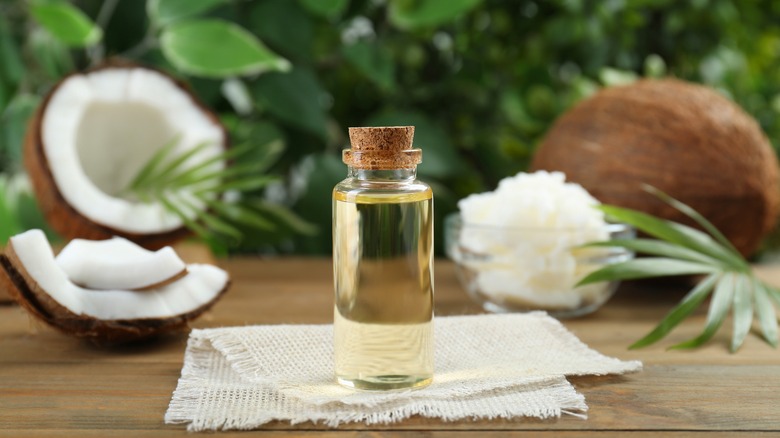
x=685 y=139
x=62 y=217
x=16 y=281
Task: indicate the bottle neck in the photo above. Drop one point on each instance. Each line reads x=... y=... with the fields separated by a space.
x=387 y=175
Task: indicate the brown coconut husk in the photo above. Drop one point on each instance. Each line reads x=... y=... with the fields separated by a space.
x=17 y=282
x=685 y=139
x=63 y=218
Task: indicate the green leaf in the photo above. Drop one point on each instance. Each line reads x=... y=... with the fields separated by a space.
x=12 y=67
x=374 y=61
x=148 y=171
x=159 y=177
x=50 y=54
x=265 y=141
x=263 y=157
x=235 y=172
x=242 y=185
x=8 y=218
x=217 y=48
x=266 y=145
x=235 y=91
x=193 y=174
x=613 y=77
x=29 y=214
x=654 y=66
x=216 y=224
x=191 y=224
x=164 y=12
x=212 y=222
x=719 y=308
x=743 y=310
x=295 y=98
x=240 y=214
x=658 y=248
x=691 y=301
x=285 y=26
x=287 y=217
x=676 y=233
x=646 y=268
x=766 y=313
x=66 y=23
x=774 y=293
x=13 y=124
x=416 y=14
x=325 y=8
x=5 y=97
x=693 y=214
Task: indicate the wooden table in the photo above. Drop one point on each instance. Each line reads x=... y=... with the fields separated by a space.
x=52 y=385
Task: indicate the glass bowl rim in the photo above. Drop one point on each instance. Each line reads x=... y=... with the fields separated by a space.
x=455 y=220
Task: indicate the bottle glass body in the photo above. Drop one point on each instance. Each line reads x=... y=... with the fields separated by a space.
x=382 y=262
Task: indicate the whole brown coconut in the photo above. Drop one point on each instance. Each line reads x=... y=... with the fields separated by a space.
x=682 y=138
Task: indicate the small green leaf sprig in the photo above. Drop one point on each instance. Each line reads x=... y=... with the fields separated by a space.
x=680 y=250
x=184 y=189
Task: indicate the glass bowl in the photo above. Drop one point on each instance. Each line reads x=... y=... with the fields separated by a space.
x=509 y=269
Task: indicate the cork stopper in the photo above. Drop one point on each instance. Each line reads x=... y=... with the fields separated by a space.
x=382 y=148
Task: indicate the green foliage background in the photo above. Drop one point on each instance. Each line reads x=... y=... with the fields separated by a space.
x=480 y=79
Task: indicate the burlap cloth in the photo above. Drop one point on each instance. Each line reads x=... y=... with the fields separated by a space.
x=487 y=366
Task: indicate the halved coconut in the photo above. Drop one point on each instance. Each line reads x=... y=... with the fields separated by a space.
x=92 y=135
x=119 y=264
x=31 y=275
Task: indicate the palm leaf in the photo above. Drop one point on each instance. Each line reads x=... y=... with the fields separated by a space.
x=198 y=178
x=183 y=178
x=691 y=301
x=676 y=233
x=657 y=248
x=693 y=214
x=242 y=185
x=191 y=224
x=212 y=221
x=686 y=250
x=765 y=312
x=292 y=220
x=151 y=166
x=743 y=310
x=241 y=214
x=175 y=165
x=167 y=175
x=646 y=268
x=774 y=293
x=719 y=308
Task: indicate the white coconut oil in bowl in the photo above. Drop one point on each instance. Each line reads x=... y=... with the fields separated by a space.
x=509 y=269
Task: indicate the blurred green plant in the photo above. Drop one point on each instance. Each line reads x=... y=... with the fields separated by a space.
x=481 y=79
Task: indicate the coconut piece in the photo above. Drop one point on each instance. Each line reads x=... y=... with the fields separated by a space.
x=91 y=136
x=683 y=138
x=118 y=263
x=33 y=277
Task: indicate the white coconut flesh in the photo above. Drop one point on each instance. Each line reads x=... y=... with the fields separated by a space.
x=118 y=263
x=99 y=130
x=201 y=285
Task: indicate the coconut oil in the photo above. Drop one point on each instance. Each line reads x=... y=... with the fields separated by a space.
x=382 y=253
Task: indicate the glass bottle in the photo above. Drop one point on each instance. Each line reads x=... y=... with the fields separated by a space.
x=382 y=264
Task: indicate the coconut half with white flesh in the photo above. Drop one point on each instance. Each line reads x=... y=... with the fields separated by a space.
x=32 y=276
x=93 y=134
x=118 y=263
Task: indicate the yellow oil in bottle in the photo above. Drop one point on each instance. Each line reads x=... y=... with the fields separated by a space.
x=383 y=313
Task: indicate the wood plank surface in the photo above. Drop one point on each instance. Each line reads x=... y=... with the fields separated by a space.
x=53 y=385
